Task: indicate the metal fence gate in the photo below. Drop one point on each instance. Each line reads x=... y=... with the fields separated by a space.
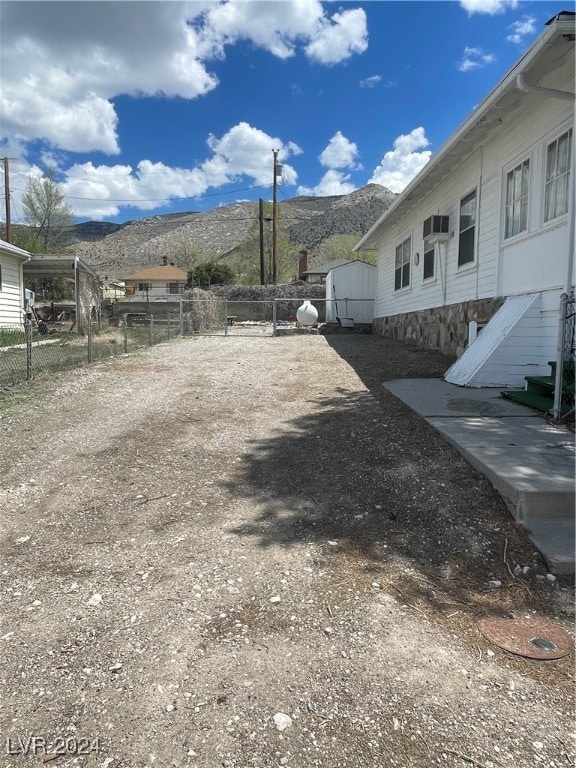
x=564 y=372
x=221 y=317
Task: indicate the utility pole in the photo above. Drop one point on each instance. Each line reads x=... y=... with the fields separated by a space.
x=274 y=216
x=261 y=219
x=7 y=194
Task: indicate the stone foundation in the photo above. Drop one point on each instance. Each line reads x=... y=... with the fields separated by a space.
x=442 y=328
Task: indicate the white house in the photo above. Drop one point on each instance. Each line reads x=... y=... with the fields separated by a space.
x=156 y=283
x=350 y=292
x=12 y=285
x=485 y=232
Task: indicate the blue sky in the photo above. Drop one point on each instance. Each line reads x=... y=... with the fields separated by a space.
x=143 y=108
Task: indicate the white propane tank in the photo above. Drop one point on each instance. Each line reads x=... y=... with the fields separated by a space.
x=307 y=314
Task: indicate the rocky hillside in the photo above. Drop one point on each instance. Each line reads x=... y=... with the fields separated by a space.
x=115 y=250
x=345 y=215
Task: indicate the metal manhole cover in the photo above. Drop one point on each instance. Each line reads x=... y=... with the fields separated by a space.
x=534 y=638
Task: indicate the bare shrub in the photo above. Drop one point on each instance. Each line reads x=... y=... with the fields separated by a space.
x=205 y=311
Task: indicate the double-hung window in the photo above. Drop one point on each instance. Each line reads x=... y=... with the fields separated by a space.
x=558 y=158
x=517 y=188
x=429 y=263
x=402 y=271
x=467 y=229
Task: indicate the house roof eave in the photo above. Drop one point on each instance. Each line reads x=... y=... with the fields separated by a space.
x=13 y=250
x=471 y=132
x=42 y=264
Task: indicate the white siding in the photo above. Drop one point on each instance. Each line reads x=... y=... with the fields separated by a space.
x=158 y=289
x=11 y=292
x=532 y=261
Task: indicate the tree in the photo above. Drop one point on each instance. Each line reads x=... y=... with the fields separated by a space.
x=47 y=212
x=210 y=273
x=186 y=253
x=340 y=247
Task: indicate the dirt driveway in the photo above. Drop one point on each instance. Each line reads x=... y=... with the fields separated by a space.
x=246 y=553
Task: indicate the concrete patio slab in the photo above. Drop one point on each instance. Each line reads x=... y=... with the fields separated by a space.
x=528 y=461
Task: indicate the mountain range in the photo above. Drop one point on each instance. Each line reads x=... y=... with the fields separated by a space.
x=119 y=249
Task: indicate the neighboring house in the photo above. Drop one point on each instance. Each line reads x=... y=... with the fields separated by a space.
x=485 y=233
x=113 y=290
x=163 y=282
x=318 y=274
x=12 y=285
x=350 y=293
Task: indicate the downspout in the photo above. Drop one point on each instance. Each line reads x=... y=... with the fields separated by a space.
x=553 y=93
x=523 y=86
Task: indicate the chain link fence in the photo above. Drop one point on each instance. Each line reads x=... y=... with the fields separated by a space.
x=41 y=347
x=37 y=349
x=565 y=384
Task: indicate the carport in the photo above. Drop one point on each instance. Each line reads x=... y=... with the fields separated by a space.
x=69 y=267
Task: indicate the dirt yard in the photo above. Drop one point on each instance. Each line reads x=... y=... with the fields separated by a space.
x=247 y=553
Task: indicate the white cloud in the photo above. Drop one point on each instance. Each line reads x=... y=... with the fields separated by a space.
x=370 y=82
x=247 y=151
x=399 y=166
x=340 y=153
x=332 y=183
x=242 y=155
x=278 y=27
x=340 y=37
x=521 y=29
x=61 y=72
x=475 y=58
x=487 y=6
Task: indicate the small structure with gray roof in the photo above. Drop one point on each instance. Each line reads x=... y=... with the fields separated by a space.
x=71 y=268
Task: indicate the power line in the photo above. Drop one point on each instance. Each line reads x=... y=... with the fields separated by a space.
x=162 y=199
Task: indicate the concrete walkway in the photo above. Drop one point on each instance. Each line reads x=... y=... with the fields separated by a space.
x=528 y=461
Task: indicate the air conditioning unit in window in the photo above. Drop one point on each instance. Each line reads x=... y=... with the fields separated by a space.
x=436 y=229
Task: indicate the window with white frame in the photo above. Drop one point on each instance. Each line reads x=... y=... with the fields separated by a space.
x=467 y=229
x=144 y=287
x=558 y=158
x=402 y=271
x=429 y=263
x=516 y=209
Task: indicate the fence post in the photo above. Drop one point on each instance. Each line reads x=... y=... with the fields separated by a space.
x=89 y=337
x=151 y=330
x=181 y=318
x=28 y=330
x=168 y=324
x=225 y=317
x=274 y=318
x=125 y=324
x=557 y=408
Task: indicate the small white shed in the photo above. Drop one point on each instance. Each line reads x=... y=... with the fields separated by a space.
x=350 y=292
x=12 y=285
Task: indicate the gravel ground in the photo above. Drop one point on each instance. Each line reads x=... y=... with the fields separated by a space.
x=245 y=553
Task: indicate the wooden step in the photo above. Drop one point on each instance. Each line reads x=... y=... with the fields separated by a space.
x=568 y=366
x=540 y=385
x=530 y=399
